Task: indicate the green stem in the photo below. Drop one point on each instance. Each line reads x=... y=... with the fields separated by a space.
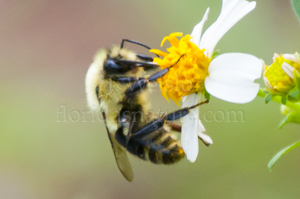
x=295 y=106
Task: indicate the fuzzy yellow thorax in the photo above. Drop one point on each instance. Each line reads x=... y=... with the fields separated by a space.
x=277 y=78
x=188 y=74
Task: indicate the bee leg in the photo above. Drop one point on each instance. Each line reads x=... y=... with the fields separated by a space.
x=174 y=127
x=149 y=128
x=145 y=57
x=134 y=64
x=158 y=123
x=139 y=85
x=142 y=82
x=122 y=65
x=181 y=112
x=177 y=128
x=123 y=80
x=148 y=60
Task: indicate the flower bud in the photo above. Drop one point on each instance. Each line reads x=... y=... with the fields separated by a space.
x=281 y=77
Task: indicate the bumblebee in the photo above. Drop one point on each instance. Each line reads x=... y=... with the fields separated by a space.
x=116 y=87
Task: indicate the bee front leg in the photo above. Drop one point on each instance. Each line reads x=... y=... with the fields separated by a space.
x=124 y=80
x=145 y=57
x=142 y=83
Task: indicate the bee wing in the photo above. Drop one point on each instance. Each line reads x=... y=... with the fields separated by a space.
x=120 y=155
x=121 y=158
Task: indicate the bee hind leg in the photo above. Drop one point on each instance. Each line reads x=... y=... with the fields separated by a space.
x=158 y=123
x=182 y=112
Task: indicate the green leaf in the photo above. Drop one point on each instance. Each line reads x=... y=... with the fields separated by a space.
x=268 y=98
x=294 y=92
x=281 y=153
x=284 y=99
x=293 y=117
x=296 y=6
x=266 y=91
x=285 y=120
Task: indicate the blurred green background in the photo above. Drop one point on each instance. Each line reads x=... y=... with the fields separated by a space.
x=45 y=50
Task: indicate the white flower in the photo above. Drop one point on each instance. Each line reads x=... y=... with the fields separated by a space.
x=231 y=75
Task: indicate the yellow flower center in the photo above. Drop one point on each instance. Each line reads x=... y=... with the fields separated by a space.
x=188 y=75
x=277 y=77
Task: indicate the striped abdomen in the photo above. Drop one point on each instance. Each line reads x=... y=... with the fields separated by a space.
x=159 y=147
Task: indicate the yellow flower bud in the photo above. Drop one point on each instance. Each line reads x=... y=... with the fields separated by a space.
x=280 y=77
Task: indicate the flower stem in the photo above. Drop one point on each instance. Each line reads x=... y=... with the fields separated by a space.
x=292 y=105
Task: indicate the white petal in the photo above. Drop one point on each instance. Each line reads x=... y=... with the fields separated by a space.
x=288 y=69
x=205 y=138
x=237 y=63
x=234 y=93
x=192 y=99
x=291 y=57
x=231 y=77
x=267 y=83
x=232 y=11
x=276 y=55
x=192 y=127
x=189 y=100
x=189 y=136
x=196 y=33
x=200 y=128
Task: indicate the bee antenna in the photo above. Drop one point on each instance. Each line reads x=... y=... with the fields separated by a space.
x=135 y=42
